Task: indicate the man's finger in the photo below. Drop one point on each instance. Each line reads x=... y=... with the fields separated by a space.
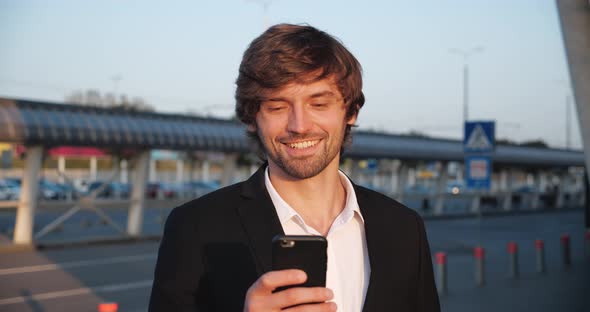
x=318 y=307
x=274 y=279
x=301 y=295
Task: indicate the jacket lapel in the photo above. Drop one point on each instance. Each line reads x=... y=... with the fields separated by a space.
x=376 y=232
x=259 y=219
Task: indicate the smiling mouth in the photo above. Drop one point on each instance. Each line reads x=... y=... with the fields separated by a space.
x=302 y=144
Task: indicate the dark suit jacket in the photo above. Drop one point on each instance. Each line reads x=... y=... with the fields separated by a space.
x=216 y=246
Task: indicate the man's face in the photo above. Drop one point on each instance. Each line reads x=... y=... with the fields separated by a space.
x=302 y=127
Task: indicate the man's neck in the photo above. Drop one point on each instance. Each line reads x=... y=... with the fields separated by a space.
x=318 y=200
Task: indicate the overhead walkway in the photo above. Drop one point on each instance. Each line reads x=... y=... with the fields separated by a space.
x=50 y=124
x=130 y=134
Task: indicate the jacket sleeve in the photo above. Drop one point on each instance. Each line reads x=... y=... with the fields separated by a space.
x=179 y=267
x=427 y=294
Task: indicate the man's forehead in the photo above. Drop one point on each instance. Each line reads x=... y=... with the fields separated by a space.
x=318 y=88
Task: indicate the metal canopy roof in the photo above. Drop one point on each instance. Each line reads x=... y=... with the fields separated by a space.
x=51 y=124
x=376 y=145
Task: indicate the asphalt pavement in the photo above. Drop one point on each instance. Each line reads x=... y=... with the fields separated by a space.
x=79 y=277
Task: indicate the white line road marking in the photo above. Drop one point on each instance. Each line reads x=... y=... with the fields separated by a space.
x=77 y=292
x=75 y=264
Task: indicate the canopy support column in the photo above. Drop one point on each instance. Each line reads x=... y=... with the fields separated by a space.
x=93 y=168
x=507 y=176
x=61 y=167
x=27 y=204
x=441 y=187
x=179 y=170
x=205 y=170
x=140 y=178
x=402 y=180
x=229 y=169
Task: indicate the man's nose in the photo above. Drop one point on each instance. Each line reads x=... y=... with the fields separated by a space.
x=299 y=120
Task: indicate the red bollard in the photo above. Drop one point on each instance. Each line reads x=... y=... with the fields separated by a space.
x=513 y=252
x=566 y=251
x=540 y=248
x=108 y=307
x=441 y=270
x=479 y=255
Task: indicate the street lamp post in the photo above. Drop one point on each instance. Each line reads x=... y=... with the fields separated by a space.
x=568 y=122
x=265 y=5
x=116 y=79
x=466 y=54
x=568 y=100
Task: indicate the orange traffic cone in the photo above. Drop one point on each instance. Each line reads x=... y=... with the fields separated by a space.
x=108 y=307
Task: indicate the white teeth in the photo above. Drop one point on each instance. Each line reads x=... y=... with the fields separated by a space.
x=304 y=144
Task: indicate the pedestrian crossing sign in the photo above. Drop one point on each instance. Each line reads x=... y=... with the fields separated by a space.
x=479 y=137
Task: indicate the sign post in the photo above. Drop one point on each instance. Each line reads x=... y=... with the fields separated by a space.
x=478 y=145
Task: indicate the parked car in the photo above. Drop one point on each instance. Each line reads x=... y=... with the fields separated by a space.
x=154 y=188
x=9 y=190
x=104 y=193
x=201 y=187
x=51 y=190
x=120 y=190
x=5 y=191
x=69 y=190
x=185 y=189
x=417 y=189
x=13 y=181
x=525 y=189
x=15 y=184
x=48 y=189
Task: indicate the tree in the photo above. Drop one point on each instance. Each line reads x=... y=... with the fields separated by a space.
x=94 y=98
x=415 y=134
x=535 y=143
x=505 y=141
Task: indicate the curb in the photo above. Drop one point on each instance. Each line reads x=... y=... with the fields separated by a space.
x=500 y=213
x=98 y=241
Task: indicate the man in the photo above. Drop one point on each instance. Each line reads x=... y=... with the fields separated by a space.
x=299 y=94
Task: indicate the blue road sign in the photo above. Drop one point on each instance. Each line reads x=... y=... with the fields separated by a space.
x=479 y=136
x=478 y=172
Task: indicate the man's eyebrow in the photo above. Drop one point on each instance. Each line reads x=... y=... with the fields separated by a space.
x=322 y=94
x=312 y=96
x=275 y=99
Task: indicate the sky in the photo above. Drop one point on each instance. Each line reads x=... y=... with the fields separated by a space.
x=183 y=56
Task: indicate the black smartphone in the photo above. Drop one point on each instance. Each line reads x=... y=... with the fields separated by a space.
x=305 y=252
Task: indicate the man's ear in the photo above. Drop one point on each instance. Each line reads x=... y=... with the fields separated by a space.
x=251 y=127
x=352 y=120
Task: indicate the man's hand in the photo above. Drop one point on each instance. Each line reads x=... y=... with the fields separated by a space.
x=260 y=296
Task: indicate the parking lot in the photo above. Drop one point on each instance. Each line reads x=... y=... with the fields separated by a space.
x=79 y=277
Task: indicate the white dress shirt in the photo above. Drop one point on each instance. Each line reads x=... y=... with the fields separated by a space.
x=348 y=258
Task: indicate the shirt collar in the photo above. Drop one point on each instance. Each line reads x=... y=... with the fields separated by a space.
x=285 y=212
x=352 y=204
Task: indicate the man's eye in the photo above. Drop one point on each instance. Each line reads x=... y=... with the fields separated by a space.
x=275 y=108
x=319 y=105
